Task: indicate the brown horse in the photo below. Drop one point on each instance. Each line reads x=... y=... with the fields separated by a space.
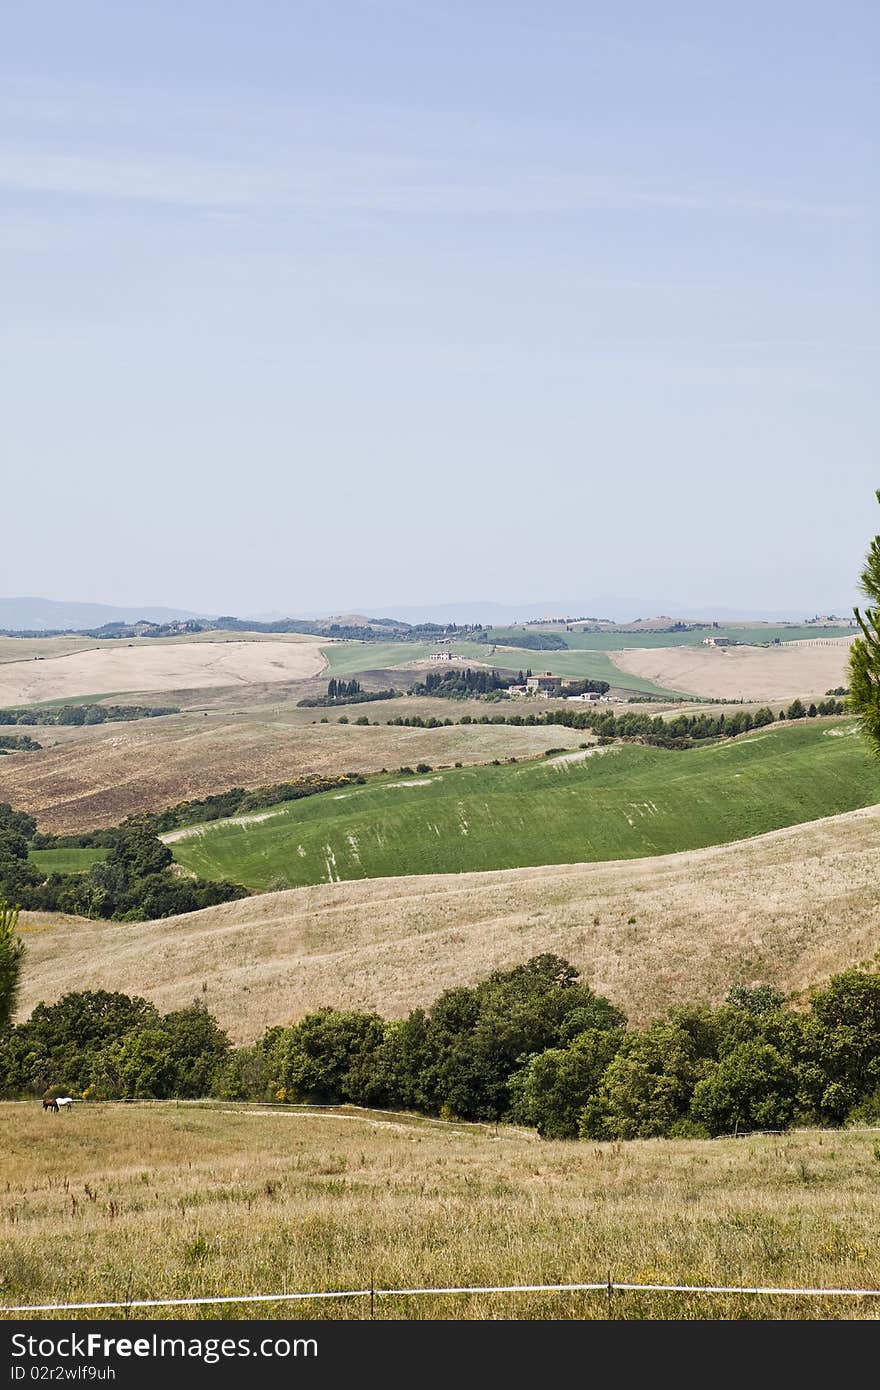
x=50 y=1104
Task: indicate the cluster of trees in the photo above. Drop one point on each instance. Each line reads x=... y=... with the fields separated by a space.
x=18 y=743
x=343 y=689
x=105 y=1045
x=84 y=714
x=133 y=884
x=457 y=684
x=345 y=693
x=533 y=1045
x=584 y=687
x=532 y=641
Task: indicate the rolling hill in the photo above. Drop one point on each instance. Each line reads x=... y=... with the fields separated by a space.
x=596 y=804
x=788 y=908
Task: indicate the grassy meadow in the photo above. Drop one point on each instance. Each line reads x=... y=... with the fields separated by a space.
x=66 y=861
x=621 y=641
x=122 y=1202
x=619 y=802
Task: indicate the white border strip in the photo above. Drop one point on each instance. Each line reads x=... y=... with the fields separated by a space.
x=607 y=1286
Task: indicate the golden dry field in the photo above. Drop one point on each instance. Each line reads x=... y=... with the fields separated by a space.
x=151 y=666
x=781 y=672
x=120 y=1202
x=788 y=908
x=16 y=649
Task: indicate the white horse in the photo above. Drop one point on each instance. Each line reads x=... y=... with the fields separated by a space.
x=64 y=1102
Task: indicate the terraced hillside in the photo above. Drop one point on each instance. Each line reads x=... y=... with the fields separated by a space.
x=594 y=804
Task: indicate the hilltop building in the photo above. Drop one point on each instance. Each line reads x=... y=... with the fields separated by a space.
x=543 y=682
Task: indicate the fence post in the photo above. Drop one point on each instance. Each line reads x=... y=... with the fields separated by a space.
x=610 y=1292
x=372 y=1295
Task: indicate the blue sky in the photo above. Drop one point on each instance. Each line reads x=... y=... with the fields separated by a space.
x=331 y=305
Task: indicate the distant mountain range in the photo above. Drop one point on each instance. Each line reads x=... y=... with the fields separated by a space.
x=46 y=614
x=614 y=608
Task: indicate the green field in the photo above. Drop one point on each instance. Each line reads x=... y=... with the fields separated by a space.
x=621 y=641
x=66 y=861
x=350 y=658
x=624 y=803
x=60 y=701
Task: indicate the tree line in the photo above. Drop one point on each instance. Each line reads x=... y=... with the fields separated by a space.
x=197 y=810
x=683 y=731
x=533 y=1045
x=84 y=714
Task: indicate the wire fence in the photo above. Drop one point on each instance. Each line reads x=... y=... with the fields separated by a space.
x=606 y=1286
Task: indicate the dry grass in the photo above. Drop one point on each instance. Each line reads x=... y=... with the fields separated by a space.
x=789 y=908
x=84 y=778
x=749 y=673
x=150 y=666
x=123 y=1202
x=17 y=649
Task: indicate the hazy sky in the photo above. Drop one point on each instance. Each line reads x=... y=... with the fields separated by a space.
x=336 y=303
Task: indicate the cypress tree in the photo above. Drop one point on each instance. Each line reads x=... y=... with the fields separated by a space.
x=864 y=657
x=11 y=952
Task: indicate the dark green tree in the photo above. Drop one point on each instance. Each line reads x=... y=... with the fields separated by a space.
x=646 y=1091
x=328 y=1056
x=752 y=1087
x=57 y=1045
x=479 y=1037
x=179 y=1055
x=11 y=952
x=864 y=657
x=551 y=1090
x=841 y=1063
x=755 y=999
